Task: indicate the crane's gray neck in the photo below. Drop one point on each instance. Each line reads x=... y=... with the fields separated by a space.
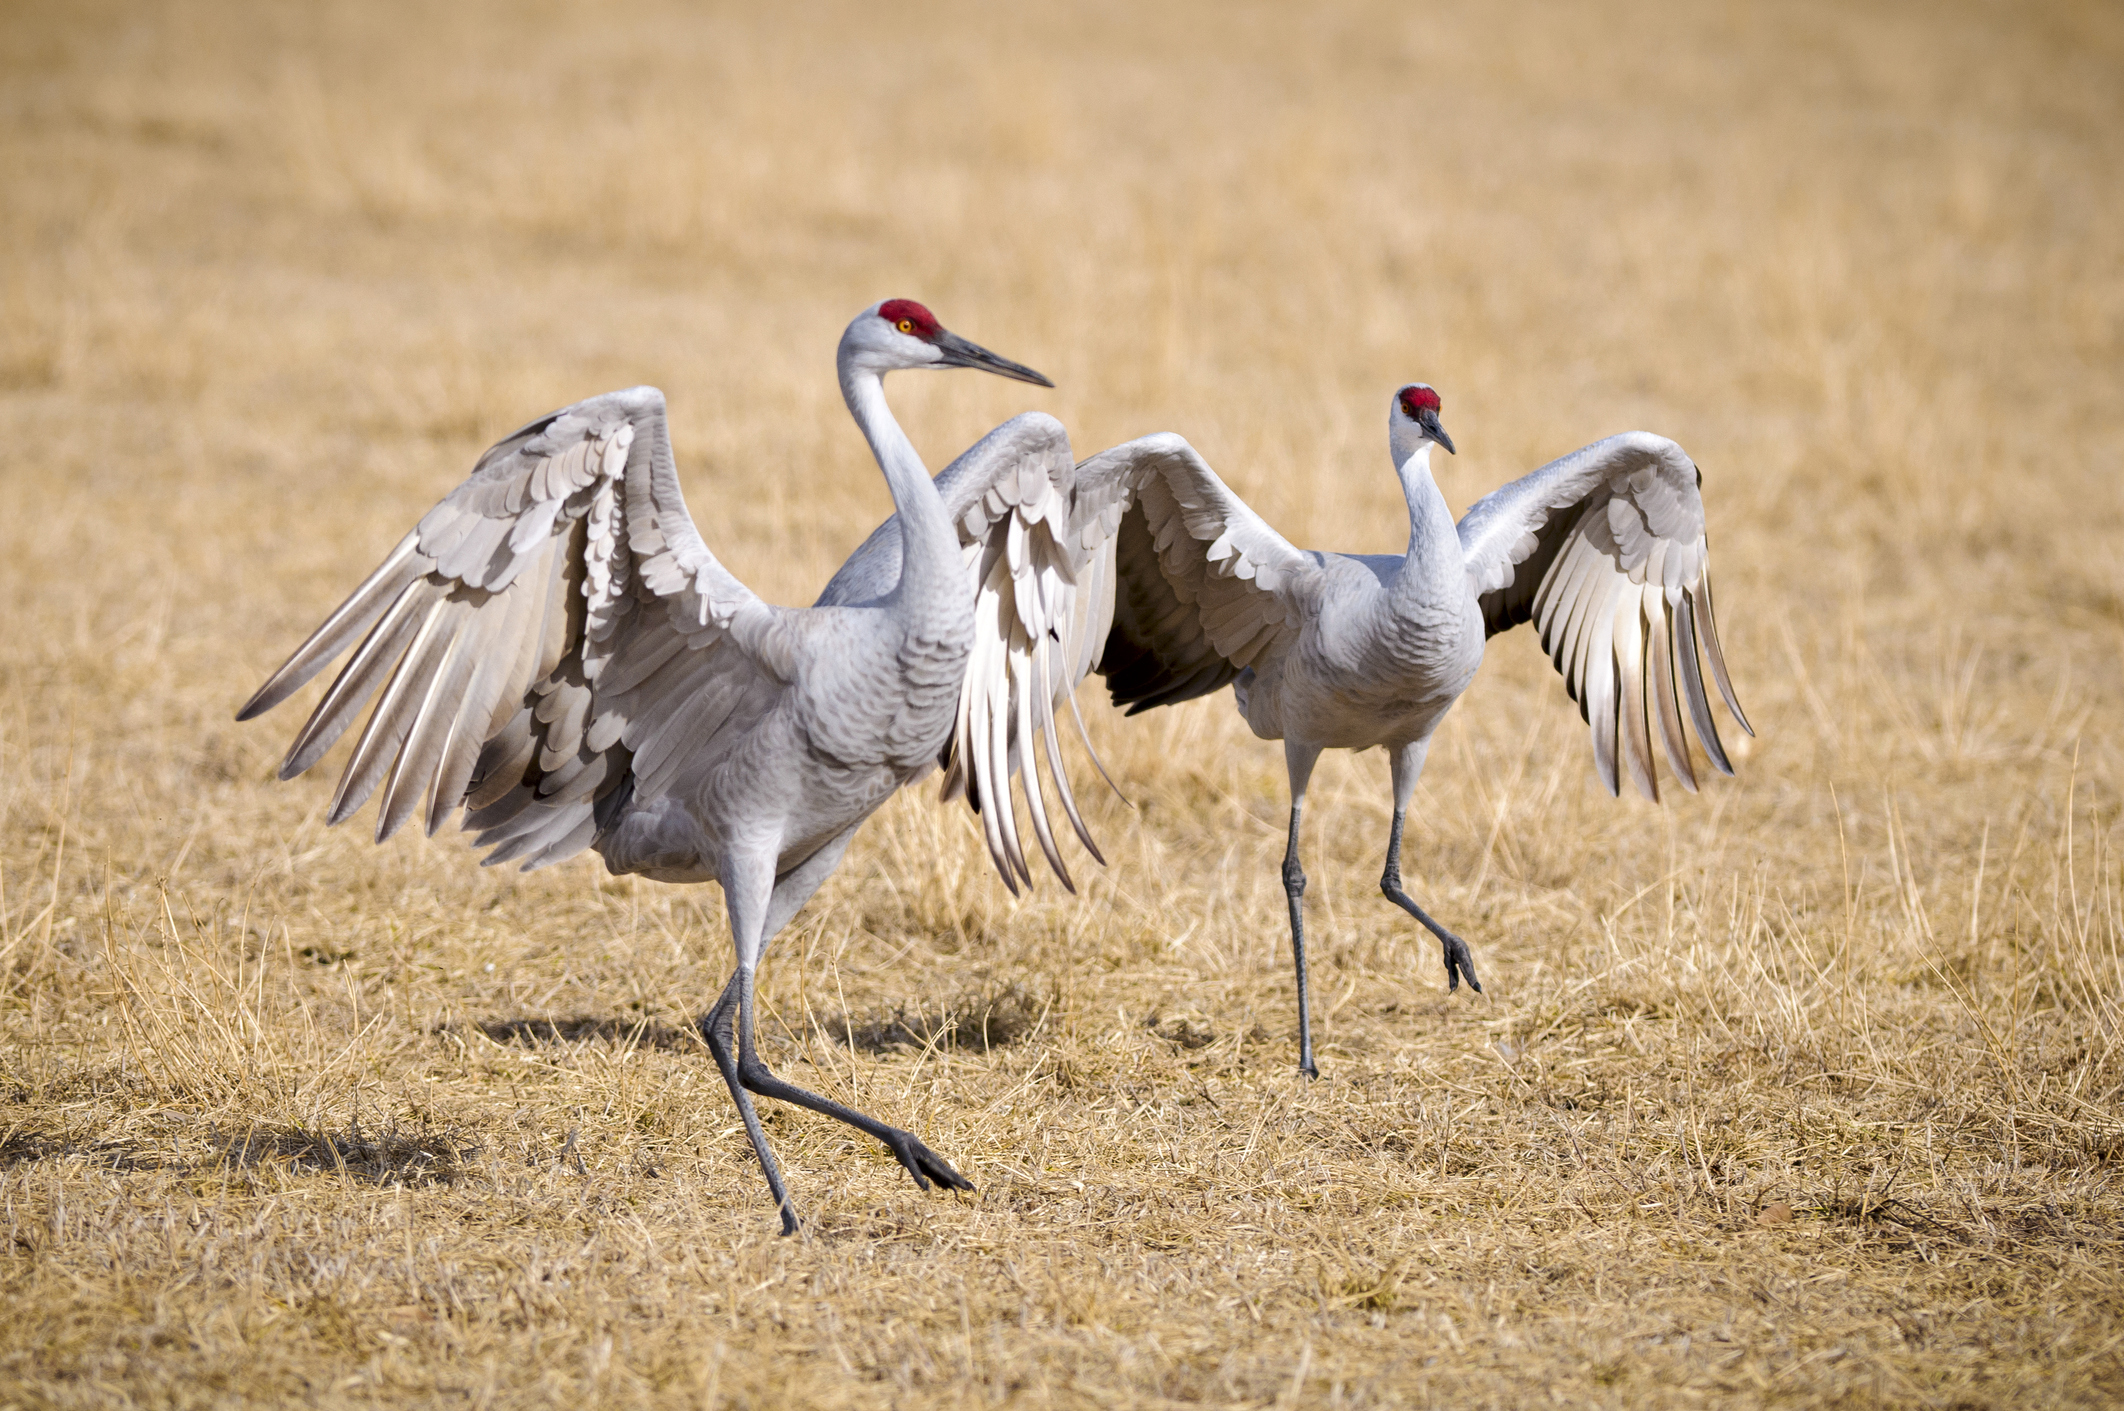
x=929 y=550
x=1434 y=558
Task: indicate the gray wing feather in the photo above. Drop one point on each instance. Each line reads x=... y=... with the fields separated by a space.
x=1203 y=587
x=567 y=552
x=1604 y=551
x=1009 y=495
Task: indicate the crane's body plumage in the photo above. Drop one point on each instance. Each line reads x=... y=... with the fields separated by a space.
x=557 y=649
x=1385 y=643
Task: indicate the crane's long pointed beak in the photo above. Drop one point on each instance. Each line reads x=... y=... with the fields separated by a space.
x=1436 y=432
x=960 y=353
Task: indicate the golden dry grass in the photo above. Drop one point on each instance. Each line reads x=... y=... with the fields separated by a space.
x=1802 y=1091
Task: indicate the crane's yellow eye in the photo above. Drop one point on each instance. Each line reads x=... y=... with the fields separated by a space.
x=906 y=325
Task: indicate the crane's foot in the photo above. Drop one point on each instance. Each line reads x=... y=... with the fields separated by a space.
x=1459 y=960
x=923 y=1164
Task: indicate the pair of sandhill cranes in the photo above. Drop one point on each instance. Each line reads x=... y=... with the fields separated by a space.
x=558 y=650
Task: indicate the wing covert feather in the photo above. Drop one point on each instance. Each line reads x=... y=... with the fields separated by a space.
x=1202 y=585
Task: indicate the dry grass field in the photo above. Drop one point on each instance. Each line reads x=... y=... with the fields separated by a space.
x=1801 y=1091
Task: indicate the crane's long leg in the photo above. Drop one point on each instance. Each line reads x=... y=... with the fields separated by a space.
x=790 y=892
x=921 y=1163
x=1299 y=761
x=1459 y=961
x=748 y=884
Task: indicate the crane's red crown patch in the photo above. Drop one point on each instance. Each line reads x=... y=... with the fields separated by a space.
x=919 y=321
x=1417 y=398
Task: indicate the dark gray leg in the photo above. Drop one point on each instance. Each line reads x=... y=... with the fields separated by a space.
x=1408 y=767
x=744 y=1071
x=921 y=1163
x=716 y=1030
x=1299 y=761
x=1459 y=960
x=748 y=887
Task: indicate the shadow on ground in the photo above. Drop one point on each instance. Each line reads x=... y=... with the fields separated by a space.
x=392 y=1157
x=976 y=1022
x=539 y=1033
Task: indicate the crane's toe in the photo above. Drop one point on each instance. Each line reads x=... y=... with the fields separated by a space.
x=1459 y=961
x=925 y=1165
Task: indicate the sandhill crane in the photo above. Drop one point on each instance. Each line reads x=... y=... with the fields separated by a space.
x=559 y=651
x=1603 y=550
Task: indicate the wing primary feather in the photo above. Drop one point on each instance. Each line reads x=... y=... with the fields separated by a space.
x=980 y=766
x=977 y=697
x=363 y=607
x=1051 y=737
x=357 y=680
x=494 y=644
x=1097 y=763
x=429 y=734
x=386 y=729
x=1692 y=683
x=1035 y=799
x=1659 y=654
x=1588 y=586
x=1708 y=625
x=1630 y=672
x=531 y=597
x=1598 y=695
x=992 y=785
x=997 y=792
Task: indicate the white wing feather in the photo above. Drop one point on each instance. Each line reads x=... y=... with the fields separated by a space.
x=1604 y=551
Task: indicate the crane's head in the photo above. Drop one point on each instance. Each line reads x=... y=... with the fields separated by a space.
x=900 y=333
x=1414 y=420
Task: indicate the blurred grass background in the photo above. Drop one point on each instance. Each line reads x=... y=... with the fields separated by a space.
x=1802 y=1091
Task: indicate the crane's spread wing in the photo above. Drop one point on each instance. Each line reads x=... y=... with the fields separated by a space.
x=544 y=641
x=1604 y=551
x=1193 y=585
x=1008 y=496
